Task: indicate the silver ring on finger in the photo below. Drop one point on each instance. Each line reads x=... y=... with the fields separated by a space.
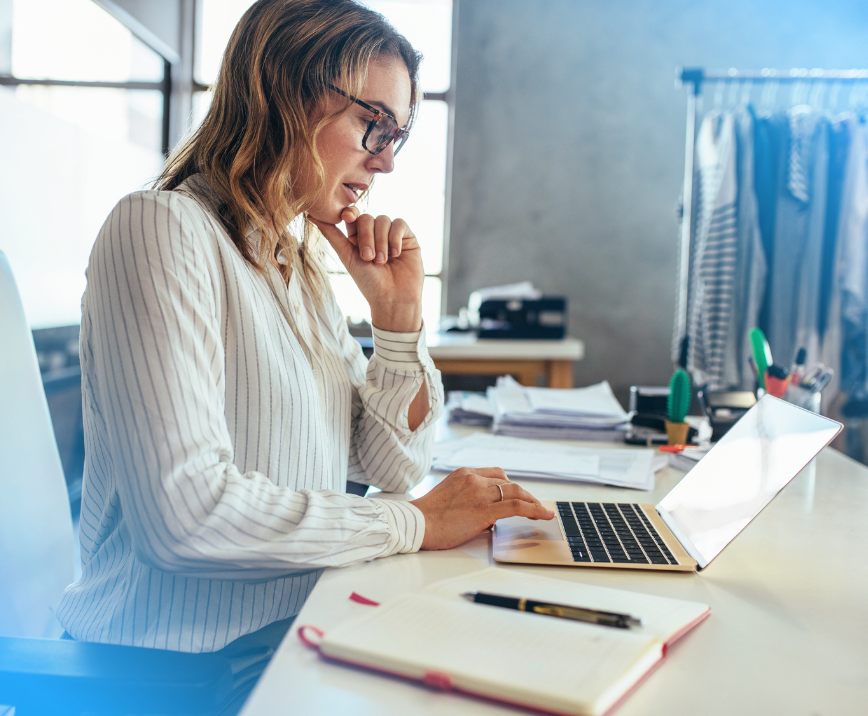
x=501 y=493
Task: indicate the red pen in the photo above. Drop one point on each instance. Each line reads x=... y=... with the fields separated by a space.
x=675 y=448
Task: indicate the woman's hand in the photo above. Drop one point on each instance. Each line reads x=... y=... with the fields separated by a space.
x=468 y=502
x=385 y=261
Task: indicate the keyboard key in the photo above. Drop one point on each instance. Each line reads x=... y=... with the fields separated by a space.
x=612 y=532
x=571 y=529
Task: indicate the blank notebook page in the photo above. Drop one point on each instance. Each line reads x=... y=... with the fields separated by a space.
x=661 y=616
x=554 y=664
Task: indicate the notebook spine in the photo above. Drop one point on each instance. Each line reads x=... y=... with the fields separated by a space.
x=432 y=679
x=438 y=680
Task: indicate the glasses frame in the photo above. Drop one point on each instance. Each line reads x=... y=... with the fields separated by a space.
x=401 y=134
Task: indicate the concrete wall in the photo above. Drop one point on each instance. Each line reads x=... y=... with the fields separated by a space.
x=569 y=149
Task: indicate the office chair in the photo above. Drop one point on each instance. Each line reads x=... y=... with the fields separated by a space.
x=39 y=674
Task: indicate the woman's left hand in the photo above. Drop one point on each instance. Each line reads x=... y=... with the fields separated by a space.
x=385 y=261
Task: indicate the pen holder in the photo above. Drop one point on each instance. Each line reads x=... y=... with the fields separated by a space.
x=804 y=398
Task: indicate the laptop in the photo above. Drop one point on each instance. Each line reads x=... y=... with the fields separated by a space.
x=700 y=516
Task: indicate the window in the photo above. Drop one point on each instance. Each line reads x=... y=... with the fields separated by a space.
x=81 y=115
x=416 y=190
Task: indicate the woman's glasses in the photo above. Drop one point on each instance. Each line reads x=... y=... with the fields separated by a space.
x=382 y=129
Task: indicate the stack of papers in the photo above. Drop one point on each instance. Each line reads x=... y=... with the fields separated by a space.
x=521 y=458
x=471 y=409
x=591 y=413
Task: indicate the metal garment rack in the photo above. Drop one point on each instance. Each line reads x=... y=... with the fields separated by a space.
x=695 y=77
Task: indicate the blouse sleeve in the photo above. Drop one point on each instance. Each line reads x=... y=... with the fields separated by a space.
x=384 y=452
x=156 y=368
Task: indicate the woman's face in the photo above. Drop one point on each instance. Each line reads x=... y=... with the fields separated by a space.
x=349 y=167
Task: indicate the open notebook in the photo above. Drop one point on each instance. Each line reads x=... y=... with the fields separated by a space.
x=541 y=662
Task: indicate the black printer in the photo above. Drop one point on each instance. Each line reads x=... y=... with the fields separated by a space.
x=542 y=318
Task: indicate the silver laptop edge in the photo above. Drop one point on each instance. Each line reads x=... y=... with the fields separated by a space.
x=528 y=544
x=681 y=537
x=678 y=533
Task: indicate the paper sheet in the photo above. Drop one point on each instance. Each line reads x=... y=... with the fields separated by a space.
x=519 y=459
x=568 y=667
x=545 y=459
x=595 y=400
x=661 y=616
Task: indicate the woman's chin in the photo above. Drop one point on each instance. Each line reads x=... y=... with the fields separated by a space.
x=327 y=215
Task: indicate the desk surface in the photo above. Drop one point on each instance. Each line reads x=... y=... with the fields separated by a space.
x=466 y=346
x=788 y=633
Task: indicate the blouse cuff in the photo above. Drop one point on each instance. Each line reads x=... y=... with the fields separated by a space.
x=406 y=526
x=407 y=352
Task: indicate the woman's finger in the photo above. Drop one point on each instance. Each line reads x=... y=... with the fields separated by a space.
x=397 y=232
x=521 y=508
x=349 y=216
x=382 y=225
x=339 y=241
x=510 y=491
x=365 y=237
x=492 y=472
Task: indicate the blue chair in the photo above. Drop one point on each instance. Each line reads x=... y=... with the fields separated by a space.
x=39 y=673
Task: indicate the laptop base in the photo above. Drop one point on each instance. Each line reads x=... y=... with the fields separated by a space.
x=519 y=540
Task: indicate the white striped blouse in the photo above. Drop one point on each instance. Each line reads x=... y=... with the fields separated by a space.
x=219 y=439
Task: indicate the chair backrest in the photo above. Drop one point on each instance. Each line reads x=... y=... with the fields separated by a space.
x=36 y=538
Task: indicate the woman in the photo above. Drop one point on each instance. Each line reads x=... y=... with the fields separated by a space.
x=225 y=403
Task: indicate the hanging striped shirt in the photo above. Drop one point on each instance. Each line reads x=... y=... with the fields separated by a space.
x=224 y=411
x=715 y=251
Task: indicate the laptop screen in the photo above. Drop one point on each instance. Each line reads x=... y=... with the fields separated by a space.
x=741 y=474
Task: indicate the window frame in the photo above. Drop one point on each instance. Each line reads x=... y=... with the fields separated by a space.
x=170 y=58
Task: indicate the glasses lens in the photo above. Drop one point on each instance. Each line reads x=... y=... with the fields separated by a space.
x=384 y=131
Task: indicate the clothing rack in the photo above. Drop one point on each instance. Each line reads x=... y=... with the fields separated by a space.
x=695 y=77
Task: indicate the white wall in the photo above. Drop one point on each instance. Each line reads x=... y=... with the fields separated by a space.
x=569 y=149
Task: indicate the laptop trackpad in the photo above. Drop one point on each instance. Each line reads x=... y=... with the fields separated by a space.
x=516 y=528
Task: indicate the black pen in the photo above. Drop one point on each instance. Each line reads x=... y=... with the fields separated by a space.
x=579 y=614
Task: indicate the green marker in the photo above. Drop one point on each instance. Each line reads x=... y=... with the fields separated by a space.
x=762 y=354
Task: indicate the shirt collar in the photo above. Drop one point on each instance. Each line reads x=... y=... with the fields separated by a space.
x=199 y=188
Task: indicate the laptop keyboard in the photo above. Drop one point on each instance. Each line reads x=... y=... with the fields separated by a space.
x=612 y=532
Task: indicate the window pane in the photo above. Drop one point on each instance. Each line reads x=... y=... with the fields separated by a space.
x=427 y=24
x=219 y=18
x=201 y=103
x=77 y=40
x=354 y=305
x=59 y=179
x=416 y=190
x=120 y=115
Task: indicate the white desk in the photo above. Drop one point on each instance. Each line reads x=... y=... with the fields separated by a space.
x=464 y=353
x=788 y=633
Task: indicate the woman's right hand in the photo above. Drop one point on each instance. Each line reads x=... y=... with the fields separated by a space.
x=468 y=502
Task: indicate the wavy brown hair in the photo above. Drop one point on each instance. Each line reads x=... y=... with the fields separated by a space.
x=261 y=129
